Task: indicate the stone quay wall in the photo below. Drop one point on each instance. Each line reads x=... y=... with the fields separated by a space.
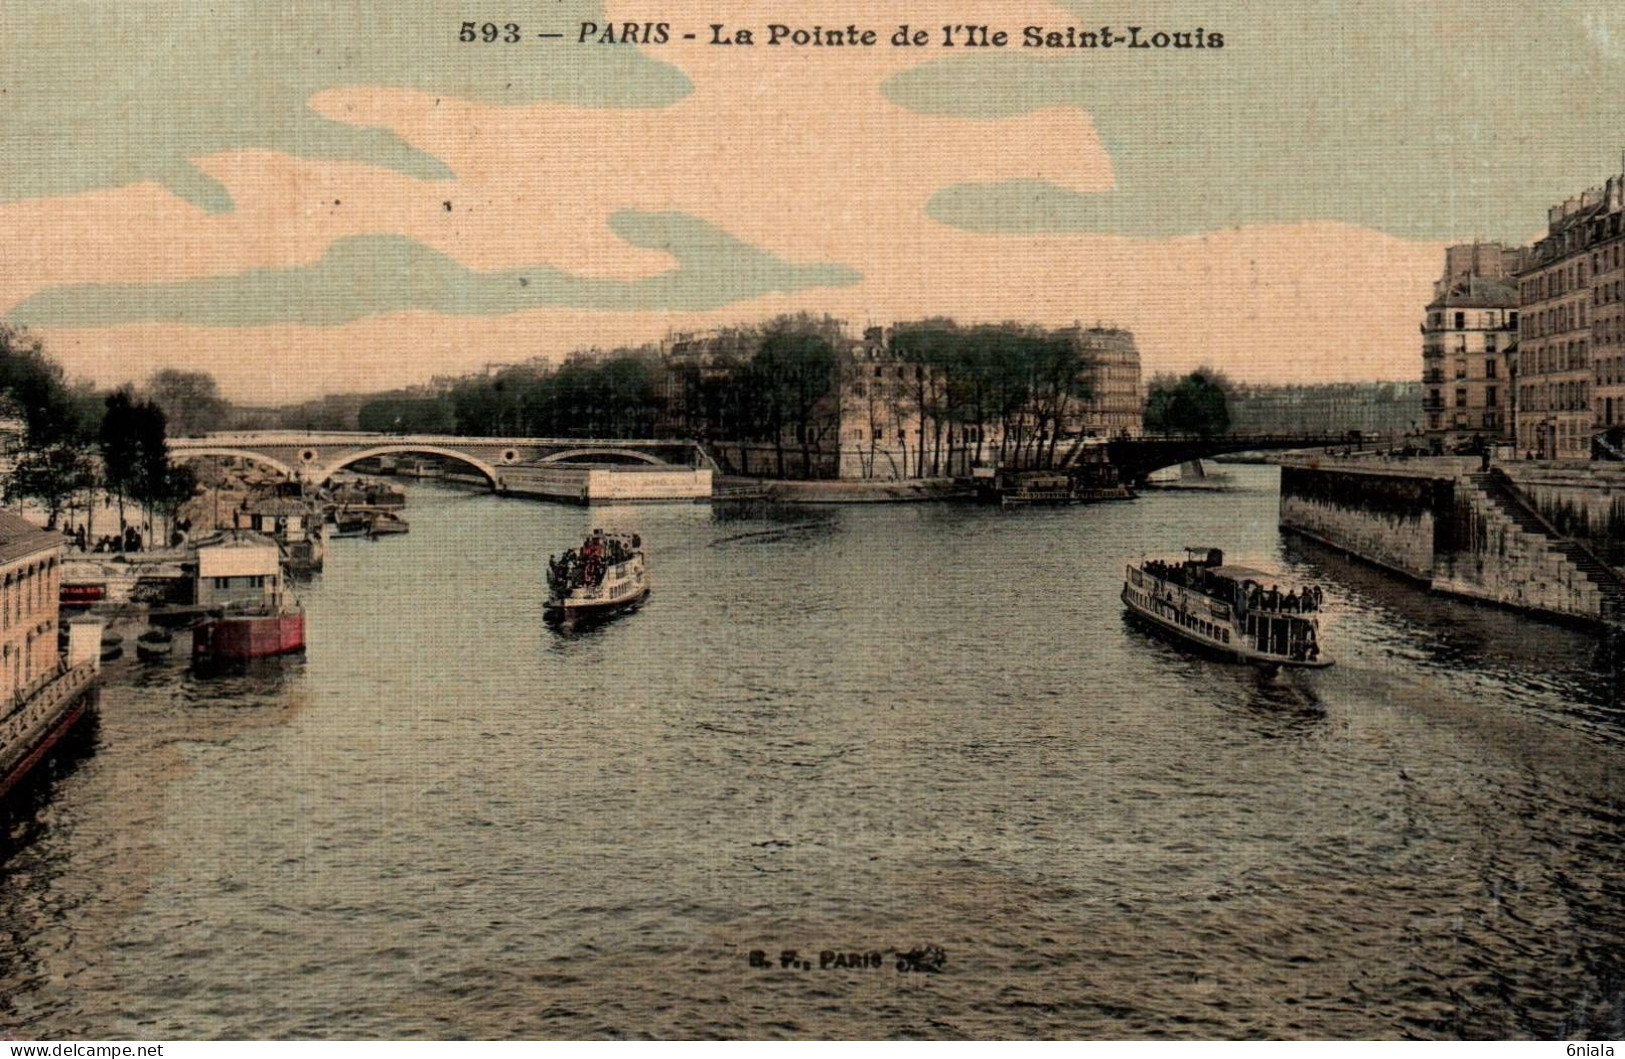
x=1389 y=519
x=1439 y=522
x=605 y=485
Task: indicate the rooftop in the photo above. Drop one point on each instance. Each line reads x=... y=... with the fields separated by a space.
x=20 y=538
x=1477 y=292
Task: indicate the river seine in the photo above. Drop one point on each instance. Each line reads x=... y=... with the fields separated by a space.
x=850 y=731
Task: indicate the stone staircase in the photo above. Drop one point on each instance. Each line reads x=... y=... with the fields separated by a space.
x=1556 y=564
x=1602 y=448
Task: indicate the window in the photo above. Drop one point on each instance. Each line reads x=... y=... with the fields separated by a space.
x=1461 y=321
x=1461 y=397
x=222 y=582
x=1489 y=368
x=1489 y=397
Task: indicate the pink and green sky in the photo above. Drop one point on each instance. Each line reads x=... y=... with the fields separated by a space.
x=306 y=199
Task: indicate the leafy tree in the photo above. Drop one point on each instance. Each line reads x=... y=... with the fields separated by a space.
x=34 y=385
x=1033 y=382
x=190 y=400
x=56 y=421
x=408 y=415
x=135 y=452
x=51 y=476
x=793 y=376
x=1196 y=404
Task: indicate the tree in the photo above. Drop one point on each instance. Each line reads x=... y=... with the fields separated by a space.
x=33 y=383
x=1196 y=404
x=190 y=400
x=135 y=452
x=408 y=415
x=51 y=476
x=794 y=372
x=56 y=422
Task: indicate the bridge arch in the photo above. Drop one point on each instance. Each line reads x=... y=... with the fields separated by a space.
x=1137 y=457
x=249 y=455
x=328 y=470
x=620 y=456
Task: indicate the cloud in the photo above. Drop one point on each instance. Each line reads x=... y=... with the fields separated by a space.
x=1426 y=123
x=370 y=275
x=96 y=95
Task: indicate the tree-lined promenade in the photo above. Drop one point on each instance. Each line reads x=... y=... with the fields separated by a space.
x=786 y=386
x=927 y=398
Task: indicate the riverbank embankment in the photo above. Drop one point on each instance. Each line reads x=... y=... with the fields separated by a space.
x=1539 y=537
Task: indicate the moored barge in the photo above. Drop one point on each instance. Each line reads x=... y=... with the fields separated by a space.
x=1233 y=612
x=250 y=613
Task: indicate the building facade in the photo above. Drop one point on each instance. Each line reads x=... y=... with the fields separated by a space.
x=1386 y=409
x=30 y=583
x=1116 y=405
x=1569 y=347
x=1469 y=356
x=241 y=570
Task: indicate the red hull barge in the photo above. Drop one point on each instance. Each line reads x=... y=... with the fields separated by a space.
x=241 y=638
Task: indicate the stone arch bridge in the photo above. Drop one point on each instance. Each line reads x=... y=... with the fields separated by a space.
x=316 y=457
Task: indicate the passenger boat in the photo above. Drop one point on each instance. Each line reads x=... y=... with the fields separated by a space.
x=347 y=523
x=1234 y=612
x=1082 y=484
x=606 y=576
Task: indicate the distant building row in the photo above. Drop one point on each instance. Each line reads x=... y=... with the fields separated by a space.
x=1383 y=408
x=1526 y=345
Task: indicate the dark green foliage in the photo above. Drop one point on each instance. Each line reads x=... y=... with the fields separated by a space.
x=584 y=397
x=1030 y=381
x=32 y=384
x=51 y=476
x=1196 y=404
x=190 y=401
x=789 y=382
x=135 y=451
x=408 y=415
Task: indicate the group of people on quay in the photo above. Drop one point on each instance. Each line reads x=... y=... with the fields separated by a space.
x=129 y=541
x=584 y=567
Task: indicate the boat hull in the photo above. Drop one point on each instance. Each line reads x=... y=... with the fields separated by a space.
x=568 y=612
x=246 y=637
x=1236 y=651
